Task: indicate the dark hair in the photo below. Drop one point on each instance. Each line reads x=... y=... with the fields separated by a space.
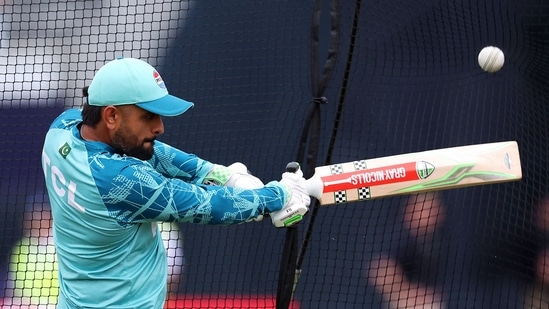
x=91 y=115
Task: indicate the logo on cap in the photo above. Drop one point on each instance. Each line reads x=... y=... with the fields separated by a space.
x=158 y=79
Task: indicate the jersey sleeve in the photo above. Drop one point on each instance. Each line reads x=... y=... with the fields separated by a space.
x=138 y=192
x=67 y=118
x=174 y=163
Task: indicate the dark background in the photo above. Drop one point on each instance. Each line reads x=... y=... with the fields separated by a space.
x=413 y=84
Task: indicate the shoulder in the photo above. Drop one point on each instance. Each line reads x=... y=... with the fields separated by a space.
x=108 y=165
x=67 y=119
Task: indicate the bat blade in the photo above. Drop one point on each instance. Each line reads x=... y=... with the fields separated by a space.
x=431 y=170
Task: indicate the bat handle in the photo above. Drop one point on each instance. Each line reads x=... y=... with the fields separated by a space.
x=314 y=184
x=292 y=167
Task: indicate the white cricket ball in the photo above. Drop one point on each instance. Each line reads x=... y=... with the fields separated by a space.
x=491 y=59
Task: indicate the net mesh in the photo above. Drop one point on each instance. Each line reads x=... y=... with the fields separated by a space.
x=413 y=83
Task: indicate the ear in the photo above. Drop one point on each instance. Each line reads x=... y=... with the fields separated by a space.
x=111 y=116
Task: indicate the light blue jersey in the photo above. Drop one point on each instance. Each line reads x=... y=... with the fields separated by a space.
x=105 y=207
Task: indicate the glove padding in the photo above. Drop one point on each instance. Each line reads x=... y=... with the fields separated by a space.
x=298 y=203
x=235 y=175
x=241 y=178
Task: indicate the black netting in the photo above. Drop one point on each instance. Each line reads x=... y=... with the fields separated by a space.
x=404 y=77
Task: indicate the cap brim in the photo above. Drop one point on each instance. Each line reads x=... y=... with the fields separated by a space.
x=167 y=106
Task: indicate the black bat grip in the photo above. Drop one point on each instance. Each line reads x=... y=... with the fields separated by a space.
x=292 y=167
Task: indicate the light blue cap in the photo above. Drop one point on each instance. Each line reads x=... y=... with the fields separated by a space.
x=132 y=81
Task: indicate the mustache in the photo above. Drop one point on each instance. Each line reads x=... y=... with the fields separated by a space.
x=150 y=139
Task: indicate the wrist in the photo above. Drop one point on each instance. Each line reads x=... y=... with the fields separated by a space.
x=218 y=176
x=282 y=191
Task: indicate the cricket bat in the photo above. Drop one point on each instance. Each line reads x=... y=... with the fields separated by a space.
x=431 y=170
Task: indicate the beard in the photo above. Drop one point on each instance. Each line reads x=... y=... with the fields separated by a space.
x=124 y=142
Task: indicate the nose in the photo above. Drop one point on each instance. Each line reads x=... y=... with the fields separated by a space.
x=158 y=128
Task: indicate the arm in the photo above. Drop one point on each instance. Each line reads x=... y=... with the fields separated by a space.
x=174 y=163
x=139 y=193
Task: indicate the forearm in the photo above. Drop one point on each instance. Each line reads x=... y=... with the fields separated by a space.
x=169 y=199
x=174 y=163
x=226 y=205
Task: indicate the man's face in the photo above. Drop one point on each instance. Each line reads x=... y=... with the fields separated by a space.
x=136 y=132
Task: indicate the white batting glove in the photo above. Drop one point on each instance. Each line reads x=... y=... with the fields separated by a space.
x=298 y=203
x=241 y=178
x=235 y=175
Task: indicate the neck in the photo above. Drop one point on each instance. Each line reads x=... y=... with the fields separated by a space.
x=90 y=134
